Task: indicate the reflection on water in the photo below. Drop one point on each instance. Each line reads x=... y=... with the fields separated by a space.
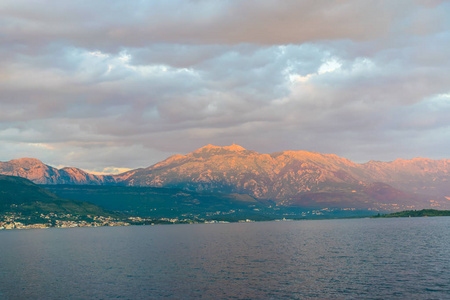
x=361 y=258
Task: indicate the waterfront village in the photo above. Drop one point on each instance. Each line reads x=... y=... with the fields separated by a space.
x=52 y=220
x=12 y=221
x=18 y=221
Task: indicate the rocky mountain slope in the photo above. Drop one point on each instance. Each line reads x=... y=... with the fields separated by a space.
x=235 y=169
x=40 y=173
x=302 y=178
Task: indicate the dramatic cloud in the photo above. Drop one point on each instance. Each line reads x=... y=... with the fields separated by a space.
x=106 y=85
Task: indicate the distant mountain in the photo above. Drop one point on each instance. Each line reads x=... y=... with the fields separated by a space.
x=418 y=175
x=301 y=178
x=372 y=196
x=40 y=173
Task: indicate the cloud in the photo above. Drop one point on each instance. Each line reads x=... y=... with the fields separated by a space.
x=114 y=26
x=122 y=85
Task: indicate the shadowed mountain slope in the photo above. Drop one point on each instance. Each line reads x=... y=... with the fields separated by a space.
x=165 y=202
x=19 y=195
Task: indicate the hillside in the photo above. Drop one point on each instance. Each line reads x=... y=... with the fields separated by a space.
x=165 y=202
x=416 y=213
x=25 y=202
x=151 y=202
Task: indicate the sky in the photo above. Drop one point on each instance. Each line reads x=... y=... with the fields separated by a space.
x=112 y=85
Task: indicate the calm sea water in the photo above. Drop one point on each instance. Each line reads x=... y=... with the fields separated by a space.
x=328 y=259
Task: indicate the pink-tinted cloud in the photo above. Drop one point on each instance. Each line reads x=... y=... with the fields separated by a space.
x=120 y=84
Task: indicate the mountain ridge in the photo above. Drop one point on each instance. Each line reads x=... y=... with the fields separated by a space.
x=40 y=173
x=286 y=177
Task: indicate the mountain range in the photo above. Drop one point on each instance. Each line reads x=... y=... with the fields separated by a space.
x=289 y=178
x=40 y=173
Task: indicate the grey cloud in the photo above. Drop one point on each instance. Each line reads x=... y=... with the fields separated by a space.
x=125 y=84
x=176 y=55
x=112 y=26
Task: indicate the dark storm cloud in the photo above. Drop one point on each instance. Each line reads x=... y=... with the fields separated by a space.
x=100 y=84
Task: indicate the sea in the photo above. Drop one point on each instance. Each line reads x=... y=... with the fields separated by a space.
x=403 y=258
